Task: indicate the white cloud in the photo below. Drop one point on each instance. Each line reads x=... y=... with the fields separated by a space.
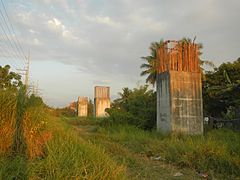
x=36 y=41
x=106 y=20
x=57 y=26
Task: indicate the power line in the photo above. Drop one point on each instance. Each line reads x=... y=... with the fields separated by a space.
x=15 y=49
x=11 y=25
x=9 y=39
x=7 y=55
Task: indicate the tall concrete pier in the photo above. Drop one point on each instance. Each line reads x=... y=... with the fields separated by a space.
x=101 y=100
x=179 y=88
x=82 y=107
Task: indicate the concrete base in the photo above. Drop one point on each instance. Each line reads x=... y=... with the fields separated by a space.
x=179 y=102
x=100 y=105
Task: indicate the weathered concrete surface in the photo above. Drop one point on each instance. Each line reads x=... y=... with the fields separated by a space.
x=100 y=105
x=101 y=92
x=101 y=100
x=82 y=106
x=163 y=102
x=179 y=102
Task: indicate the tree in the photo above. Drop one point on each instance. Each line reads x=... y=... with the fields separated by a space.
x=136 y=107
x=8 y=79
x=118 y=103
x=221 y=89
x=150 y=65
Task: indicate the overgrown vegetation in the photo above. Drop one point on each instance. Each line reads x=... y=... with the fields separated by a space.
x=136 y=107
x=216 y=153
x=221 y=91
x=38 y=142
x=35 y=145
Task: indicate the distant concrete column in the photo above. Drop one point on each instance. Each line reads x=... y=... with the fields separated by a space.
x=82 y=107
x=101 y=100
x=179 y=89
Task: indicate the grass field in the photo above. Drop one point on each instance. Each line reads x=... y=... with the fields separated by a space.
x=80 y=148
x=65 y=156
x=151 y=155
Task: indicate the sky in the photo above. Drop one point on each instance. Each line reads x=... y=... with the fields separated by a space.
x=75 y=45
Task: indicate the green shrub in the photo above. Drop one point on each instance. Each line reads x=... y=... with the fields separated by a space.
x=135 y=107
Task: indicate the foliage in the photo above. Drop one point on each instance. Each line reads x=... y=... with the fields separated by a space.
x=136 y=107
x=150 y=65
x=9 y=79
x=23 y=124
x=66 y=111
x=8 y=102
x=67 y=156
x=221 y=90
x=217 y=150
x=19 y=143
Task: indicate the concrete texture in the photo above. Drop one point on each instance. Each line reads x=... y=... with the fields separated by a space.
x=179 y=103
x=101 y=100
x=82 y=109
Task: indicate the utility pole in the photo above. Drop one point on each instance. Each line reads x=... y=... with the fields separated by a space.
x=25 y=71
x=37 y=89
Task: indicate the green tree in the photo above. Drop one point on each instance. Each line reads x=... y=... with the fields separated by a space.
x=221 y=89
x=118 y=103
x=150 y=65
x=136 y=107
x=9 y=80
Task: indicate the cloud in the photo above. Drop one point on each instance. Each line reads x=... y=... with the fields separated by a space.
x=57 y=26
x=104 y=20
x=104 y=40
x=36 y=42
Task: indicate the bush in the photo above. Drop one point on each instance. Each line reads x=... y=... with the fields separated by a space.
x=135 y=107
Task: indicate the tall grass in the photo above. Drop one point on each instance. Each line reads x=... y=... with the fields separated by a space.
x=19 y=141
x=8 y=102
x=44 y=148
x=217 y=151
x=69 y=156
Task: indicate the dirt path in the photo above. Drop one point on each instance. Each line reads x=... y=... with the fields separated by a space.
x=139 y=165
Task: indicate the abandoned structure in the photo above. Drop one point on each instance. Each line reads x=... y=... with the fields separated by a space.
x=101 y=100
x=82 y=107
x=179 y=88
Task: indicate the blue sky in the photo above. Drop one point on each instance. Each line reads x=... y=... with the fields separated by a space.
x=77 y=44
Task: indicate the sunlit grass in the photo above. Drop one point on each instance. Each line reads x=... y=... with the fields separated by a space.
x=217 y=151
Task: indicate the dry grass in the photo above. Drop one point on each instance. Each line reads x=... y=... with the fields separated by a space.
x=34 y=126
x=7 y=120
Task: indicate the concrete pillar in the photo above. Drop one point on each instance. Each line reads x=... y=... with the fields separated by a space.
x=179 y=103
x=179 y=88
x=101 y=100
x=82 y=109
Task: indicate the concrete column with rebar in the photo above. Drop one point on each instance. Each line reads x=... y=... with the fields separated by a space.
x=179 y=88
